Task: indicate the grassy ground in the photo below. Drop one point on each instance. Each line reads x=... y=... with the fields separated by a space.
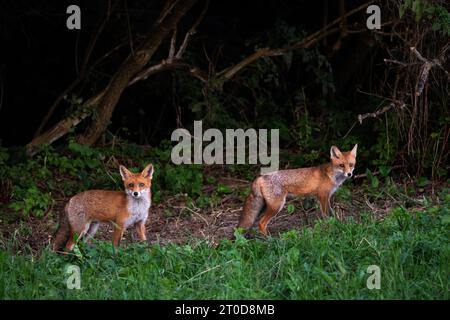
x=394 y=222
x=327 y=261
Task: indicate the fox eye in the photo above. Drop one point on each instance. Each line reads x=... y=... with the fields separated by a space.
x=131 y=185
x=351 y=165
x=342 y=165
x=141 y=185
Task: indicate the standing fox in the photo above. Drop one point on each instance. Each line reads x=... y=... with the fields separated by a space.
x=269 y=191
x=85 y=211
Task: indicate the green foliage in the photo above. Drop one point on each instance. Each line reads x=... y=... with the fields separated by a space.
x=431 y=10
x=223 y=189
x=182 y=179
x=33 y=179
x=290 y=208
x=30 y=200
x=4 y=156
x=328 y=261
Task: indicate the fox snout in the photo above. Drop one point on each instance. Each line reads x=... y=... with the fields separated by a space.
x=344 y=175
x=135 y=193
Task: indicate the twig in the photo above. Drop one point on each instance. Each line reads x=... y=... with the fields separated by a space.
x=207 y=270
x=375 y=114
x=173 y=61
x=166 y=10
x=192 y=31
x=170 y=65
x=403 y=64
x=172 y=44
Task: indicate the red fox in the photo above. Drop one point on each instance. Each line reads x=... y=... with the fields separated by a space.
x=269 y=191
x=86 y=210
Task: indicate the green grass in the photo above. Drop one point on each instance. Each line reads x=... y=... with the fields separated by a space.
x=328 y=261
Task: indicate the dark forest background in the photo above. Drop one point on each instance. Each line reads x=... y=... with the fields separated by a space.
x=75 y=104
x=312 y=91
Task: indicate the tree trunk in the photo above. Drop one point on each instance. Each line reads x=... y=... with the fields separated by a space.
x=63 y=126
x=129 y=68
x=105 y=101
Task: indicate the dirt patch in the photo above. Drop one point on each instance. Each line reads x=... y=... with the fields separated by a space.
x=169 y=222
x=177 y=220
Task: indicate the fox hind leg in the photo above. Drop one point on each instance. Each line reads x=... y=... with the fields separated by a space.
x=272 y=208
x=252 y=209
x=78 y=229
x=92 y=231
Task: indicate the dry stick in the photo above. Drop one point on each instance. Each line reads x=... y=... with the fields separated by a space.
x=427 y=65
x=375 y=114
x=403 y=64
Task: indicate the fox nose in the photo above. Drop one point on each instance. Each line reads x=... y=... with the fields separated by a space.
x=135 y=193
x=349 y=174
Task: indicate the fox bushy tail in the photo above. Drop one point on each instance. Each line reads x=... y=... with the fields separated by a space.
x=62 y=235
x=254 y=206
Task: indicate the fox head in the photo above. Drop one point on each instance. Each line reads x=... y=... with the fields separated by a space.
x=137 y=184
x=343 y=162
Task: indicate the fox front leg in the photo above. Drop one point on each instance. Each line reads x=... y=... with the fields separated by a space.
x=325 y=208
x=118 y=233
x=330 y=209
x=140 y=229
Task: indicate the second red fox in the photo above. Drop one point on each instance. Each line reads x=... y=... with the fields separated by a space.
x=84 y=211
x=269 y=191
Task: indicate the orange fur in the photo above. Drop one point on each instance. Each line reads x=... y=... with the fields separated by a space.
x=86 y=210
x=269 y=191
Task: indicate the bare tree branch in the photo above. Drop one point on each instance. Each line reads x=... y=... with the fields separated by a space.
x=192 y=31
x=425 y=70
x=173 y=61
x=377 y=113
x=173 y=41
x=228 y=73
x=105 y=101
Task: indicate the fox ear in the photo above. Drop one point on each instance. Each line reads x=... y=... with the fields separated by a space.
x=124 y=172
x=335 y=152
x=353 y=152
x=148 y=171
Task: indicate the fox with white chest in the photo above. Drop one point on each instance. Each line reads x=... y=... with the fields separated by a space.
x=85 y=211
